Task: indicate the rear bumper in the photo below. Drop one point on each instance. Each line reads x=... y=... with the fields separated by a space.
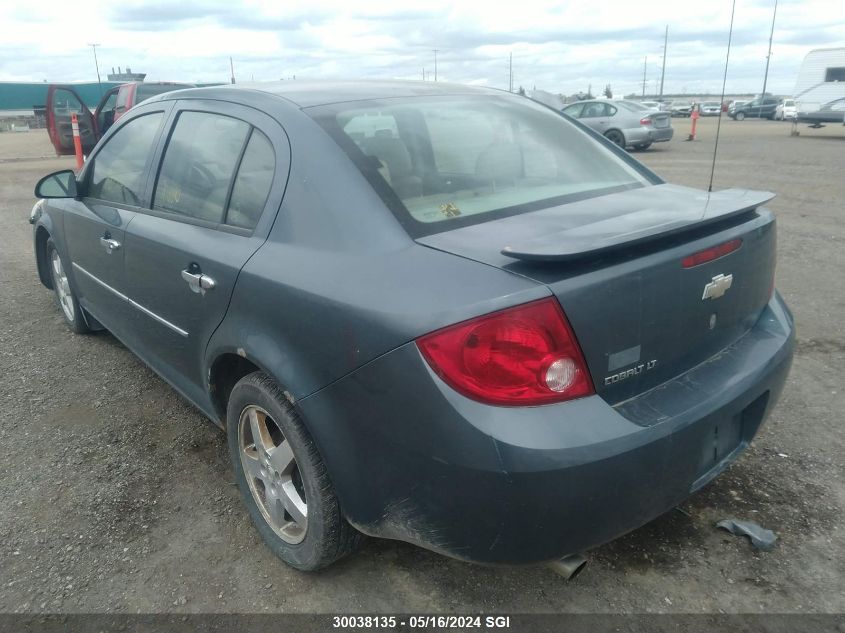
x=413 y=460
x=636 y=136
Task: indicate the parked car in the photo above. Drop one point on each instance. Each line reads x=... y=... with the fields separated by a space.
x=786 y=110
x=626 y=123
x=63 y=100
x=762 y=108
x=734 y=105
x=442 y=314
x=710 y=108
x=833 y=112
x=655 y=106
x=680 y=108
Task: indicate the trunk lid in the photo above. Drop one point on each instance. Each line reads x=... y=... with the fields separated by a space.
x=660 y=119
x=615 y=265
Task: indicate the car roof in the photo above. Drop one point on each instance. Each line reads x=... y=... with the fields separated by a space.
x=309 y=93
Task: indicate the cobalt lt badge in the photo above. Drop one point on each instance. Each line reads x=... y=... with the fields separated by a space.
x=717 y=286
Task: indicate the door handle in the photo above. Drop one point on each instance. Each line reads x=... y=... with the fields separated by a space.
x=198 y=282
x=109 y=244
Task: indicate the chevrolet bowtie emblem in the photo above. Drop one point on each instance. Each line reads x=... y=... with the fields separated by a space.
x=717 y=286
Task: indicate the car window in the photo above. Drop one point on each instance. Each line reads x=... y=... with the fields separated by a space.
x=574 y=110
x=252 y=184
x=119 y=169
x=122 y=100
x=105 y=117
x=465 y=157
x=609 y=110
x=592 y=110
x=198 y=165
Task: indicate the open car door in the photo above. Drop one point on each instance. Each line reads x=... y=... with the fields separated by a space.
x=62 y=101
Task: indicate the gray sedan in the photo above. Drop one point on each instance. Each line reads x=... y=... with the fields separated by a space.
x=435 y=313
x=626 y=123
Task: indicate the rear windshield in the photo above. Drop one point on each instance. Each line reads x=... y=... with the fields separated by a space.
x=441 y=162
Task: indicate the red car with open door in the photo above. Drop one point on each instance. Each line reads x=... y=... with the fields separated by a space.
x=63 y=100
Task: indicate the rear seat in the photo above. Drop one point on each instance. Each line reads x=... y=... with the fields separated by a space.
x=394 y=156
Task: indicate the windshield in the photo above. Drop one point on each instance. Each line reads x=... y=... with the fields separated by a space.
x=439 y=162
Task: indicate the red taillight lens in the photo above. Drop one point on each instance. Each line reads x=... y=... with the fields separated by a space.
x=527 y=355
x=645 y=121
x=708 y=255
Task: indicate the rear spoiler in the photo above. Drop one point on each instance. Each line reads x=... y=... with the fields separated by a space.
x=636 y=227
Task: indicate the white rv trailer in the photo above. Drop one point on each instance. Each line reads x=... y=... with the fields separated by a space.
x=821 y=79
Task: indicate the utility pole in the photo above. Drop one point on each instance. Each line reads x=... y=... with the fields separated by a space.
x=96 y=65
x=663 y=72
x=510 y=72
x=771 y=35
x=232 y=68
x=645 y=66
x=435 y=64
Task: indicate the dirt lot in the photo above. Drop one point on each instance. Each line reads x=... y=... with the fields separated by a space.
x=117 y=495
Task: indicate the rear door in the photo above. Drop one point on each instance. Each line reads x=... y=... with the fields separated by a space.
x=221 y=176
x=594 y=116
x=115 y=178
x=62 y=102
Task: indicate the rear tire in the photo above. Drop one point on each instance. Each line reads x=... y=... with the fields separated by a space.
x=615 y=136
x=283 y=479
x=65 y=298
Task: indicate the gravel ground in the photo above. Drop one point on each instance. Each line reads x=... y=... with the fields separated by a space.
x=117 y=494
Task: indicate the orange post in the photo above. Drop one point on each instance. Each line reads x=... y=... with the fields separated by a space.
x=77 y=141
x=694 y=118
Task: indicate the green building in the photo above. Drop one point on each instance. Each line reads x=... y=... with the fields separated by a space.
x=29 y=96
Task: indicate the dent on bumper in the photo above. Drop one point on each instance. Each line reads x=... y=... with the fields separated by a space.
x=415 y=461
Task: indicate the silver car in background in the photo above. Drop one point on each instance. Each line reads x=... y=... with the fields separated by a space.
x=710 y=108
x=626 y=123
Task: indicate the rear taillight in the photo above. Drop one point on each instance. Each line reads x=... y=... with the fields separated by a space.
x=522 y=356
x=645 y=121
x=709 y=254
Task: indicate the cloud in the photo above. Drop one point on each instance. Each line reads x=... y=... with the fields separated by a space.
x=558 y=46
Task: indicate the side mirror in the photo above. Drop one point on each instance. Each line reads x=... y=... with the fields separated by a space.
x=61 y=184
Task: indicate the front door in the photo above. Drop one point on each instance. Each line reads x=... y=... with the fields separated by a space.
x=95 y=226
x=62 y=102
x=185 y=253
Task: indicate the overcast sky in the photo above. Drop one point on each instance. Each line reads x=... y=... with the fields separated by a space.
x=556 y=46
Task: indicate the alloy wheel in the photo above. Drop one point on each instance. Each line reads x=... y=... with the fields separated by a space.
x=273 y=475
x=60 y=283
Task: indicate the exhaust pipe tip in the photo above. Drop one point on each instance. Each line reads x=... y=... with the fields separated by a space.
x=569 y=566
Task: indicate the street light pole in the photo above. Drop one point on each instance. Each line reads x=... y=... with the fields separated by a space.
x=510 y=72
x=96 y=64
x=645 y=67
x=435 y=64
x=663 y=72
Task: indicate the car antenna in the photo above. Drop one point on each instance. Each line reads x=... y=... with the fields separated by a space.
x=724 y=81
